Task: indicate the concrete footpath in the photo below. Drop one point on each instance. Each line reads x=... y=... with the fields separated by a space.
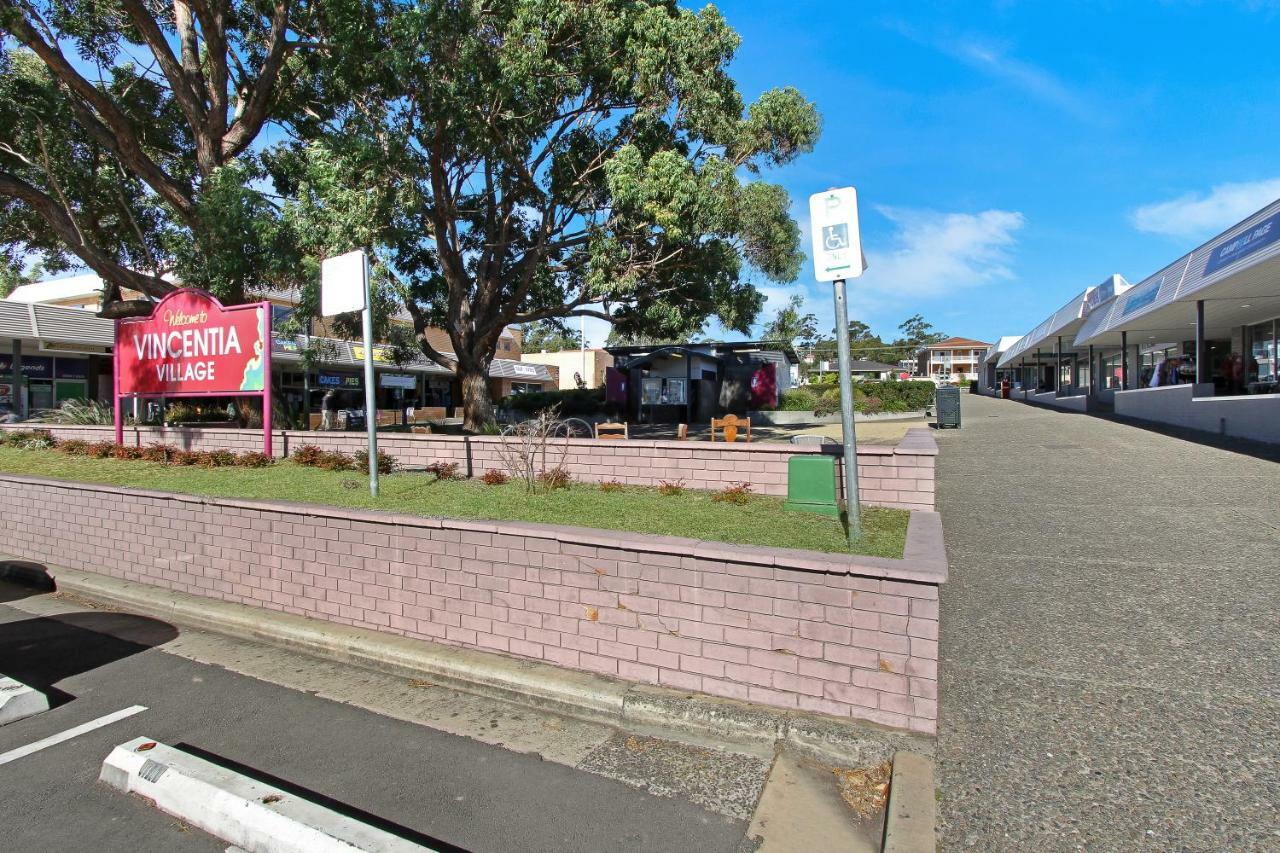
x=1110 y=650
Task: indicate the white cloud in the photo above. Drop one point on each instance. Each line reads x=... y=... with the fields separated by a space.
x=937 y=253
x=1194 y=216
x=996 y=62
x=1037 y=82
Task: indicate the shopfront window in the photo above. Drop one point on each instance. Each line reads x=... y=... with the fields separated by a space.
x=1112 y=369
x=1260 y=368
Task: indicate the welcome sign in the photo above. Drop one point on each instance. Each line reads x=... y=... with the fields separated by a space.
x=193 y=345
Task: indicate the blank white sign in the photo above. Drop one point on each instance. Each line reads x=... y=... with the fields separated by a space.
x=342 y=284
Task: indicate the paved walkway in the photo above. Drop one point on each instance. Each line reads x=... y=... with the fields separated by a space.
x=1110 y=652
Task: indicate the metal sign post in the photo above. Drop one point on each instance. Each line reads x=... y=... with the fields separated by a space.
x=344 y=287
x=837 y=255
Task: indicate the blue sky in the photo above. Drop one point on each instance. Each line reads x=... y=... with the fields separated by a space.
x=1008 y=155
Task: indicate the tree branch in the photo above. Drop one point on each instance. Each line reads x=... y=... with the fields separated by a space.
x=52 y=213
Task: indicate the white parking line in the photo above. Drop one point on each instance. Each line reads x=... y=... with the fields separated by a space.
x=51 y=740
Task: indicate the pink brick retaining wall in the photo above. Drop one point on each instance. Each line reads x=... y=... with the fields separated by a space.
x=901 y=476
x=849 y=636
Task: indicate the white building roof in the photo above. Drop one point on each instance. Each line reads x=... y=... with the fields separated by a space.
x=56 y=289
x=1067 y=320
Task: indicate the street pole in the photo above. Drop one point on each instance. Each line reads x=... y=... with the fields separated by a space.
x=846 y=415
x=370 y=400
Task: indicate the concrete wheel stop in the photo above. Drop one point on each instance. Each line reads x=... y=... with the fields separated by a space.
x=247 y=814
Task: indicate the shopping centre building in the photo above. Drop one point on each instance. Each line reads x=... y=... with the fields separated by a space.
x=1194 y=345
x=53 y=348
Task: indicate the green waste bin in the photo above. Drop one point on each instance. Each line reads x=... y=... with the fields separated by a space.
x=812 y=485
x=948 y=403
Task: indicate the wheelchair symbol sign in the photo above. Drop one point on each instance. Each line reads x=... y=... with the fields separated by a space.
x=837 y=246
x=835 y=237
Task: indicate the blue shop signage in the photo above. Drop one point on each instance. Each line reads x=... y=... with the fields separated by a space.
x=33 y=366
x=1244 y=244
x=333 y=380
x=1143 y=296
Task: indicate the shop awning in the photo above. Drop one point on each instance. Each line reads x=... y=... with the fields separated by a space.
x=1237 y=274
x=55 y=327
x=1066 y=321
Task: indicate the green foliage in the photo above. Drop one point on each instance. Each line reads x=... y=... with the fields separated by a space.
x=77 y=412
x=738 y=494
x=575 y=402
x=917 y=332
x=554 y=478
x=671 y=488
x=801 y=399
x=789 y=326
x=387 y=463
x=444 y=470
x=868 y=397
x=254 y=459
x=192 y=413
x=28 y=439
x=551 y=336
x=534 y=160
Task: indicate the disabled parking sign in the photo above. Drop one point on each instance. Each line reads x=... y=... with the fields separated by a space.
x=837 y=246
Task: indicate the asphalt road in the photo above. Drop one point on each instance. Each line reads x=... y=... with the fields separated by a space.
x=454 y=791
x=1110 y=648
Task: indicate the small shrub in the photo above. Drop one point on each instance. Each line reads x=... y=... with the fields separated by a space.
x=30 y=439
x=101 y=450
x=386 y=462
x=612 y=486
x=221 y=458
x=158 y=452
x=554 y=478
x=738 y=494
x=73 y=447
x=335 y=462
x=254 y=459
x=184 y=457
x=828 y=403
x=124 y=451
x=308 y=454
x=494 y=477
x=871 y=405
x=444 y=470
x=671 y=488
x=798 y=400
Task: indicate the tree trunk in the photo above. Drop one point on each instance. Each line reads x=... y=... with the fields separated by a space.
x=477 y=407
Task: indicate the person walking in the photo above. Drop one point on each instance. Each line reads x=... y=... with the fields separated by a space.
x=328 y=405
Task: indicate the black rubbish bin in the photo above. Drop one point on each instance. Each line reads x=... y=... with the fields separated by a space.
x=948 y=403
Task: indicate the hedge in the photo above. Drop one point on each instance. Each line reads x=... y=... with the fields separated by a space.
x=868 y=397
x=574 y=402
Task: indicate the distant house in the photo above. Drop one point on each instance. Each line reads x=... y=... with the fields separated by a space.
x=588 y=364
x=955 y=359
x=692 y=383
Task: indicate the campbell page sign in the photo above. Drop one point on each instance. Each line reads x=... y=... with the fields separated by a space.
x=192 y=345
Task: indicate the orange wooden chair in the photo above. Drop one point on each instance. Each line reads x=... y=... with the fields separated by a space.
x=729 y=426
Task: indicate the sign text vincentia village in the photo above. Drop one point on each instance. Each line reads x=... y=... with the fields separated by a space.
x=191 y=344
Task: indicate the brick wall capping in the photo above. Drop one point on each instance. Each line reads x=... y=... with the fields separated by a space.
x=924 y=555
x=918 y=440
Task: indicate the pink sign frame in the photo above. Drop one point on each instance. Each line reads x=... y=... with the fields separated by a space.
x=264 y=394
